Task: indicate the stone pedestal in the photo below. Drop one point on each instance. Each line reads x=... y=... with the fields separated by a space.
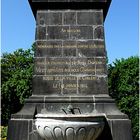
x=70 y=68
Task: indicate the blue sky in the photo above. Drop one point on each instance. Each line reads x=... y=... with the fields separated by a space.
x=121 y=27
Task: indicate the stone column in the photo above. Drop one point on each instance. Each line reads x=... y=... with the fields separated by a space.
x=70 y=67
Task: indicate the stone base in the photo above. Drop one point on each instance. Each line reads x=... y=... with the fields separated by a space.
x=117 y=129
x=120 y=129
x=22 y=127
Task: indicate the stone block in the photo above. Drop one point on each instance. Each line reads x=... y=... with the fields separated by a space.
x=69 y=18
x=46 y=85
x=90 y=18
x=69 y=48
x=39 y=66
x=70 y=86
x=57 y=32
x=48 y=49
x=121 y=129
x=92 y=85
x=101 y=68
x=21 y=130
x=81 y=32
x=99 y=32
x=40 y=33
x=53 y=18
x=69 y=4
x=90 y=48
x=58 y=66
x=83 y=69
x=41 y=17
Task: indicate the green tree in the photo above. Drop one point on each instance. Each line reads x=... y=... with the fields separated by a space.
x=124 y=87
x=16 y=85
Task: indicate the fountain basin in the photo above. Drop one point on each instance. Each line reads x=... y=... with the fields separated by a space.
x=69 y=127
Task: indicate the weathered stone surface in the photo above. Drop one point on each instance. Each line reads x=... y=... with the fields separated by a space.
x=69 y=18
x=89 y=60
x=41 y=33
x=70 y=75
x=70 y=85
x=81 y=32
x=91 y=48
x=57 y=32
x=21 y=130
x=39 y=67
x=90 y=18
x=101 y=68
x=48 y=49
x=69 y=49
x=53 y=18
x=99 y=32
x=41 y=18
x=45 y=86
x=69 y=4
x=121 y=129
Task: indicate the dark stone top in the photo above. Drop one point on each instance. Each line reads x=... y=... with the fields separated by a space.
x=69 y=4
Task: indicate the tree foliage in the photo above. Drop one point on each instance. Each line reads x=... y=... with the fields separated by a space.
x=124 y=87
x=16 y=71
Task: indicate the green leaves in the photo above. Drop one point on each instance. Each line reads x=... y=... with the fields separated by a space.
x=124 y=87
x=16 y=70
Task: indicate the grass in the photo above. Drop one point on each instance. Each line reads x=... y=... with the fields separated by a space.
x=3 y=130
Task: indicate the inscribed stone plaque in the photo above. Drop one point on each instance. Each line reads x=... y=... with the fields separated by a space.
x=70 y=55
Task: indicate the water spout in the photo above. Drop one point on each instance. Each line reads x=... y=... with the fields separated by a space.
x=71 y=110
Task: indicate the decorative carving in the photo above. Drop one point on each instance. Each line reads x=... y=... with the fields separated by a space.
x=67 y=129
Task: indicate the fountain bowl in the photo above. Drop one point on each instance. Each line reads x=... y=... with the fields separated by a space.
x=69 y=127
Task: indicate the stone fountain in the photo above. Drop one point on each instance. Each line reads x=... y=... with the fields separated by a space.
x=70 y=99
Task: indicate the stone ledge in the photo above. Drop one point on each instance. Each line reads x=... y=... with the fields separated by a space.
x=69 y=4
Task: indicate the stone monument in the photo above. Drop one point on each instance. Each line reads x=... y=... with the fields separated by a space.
x=70 y=98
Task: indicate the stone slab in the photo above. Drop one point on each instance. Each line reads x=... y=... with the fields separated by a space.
x=69 y=85
x=48 y=49
x=69 y=48
x=69 y=17
x=121 y=129
x=21 y=130
x=70 y=4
